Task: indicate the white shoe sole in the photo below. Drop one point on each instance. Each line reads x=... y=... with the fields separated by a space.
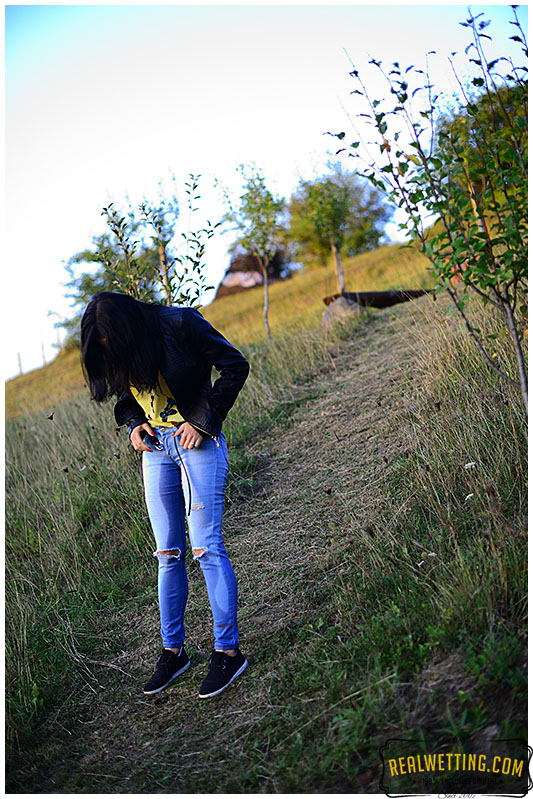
x=177 y=674
x=214 y=693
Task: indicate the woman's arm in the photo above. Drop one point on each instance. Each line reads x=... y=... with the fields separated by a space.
x=128 y=411
x=211 y=346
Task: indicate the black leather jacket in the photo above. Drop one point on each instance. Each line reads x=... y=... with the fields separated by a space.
x=191 y=346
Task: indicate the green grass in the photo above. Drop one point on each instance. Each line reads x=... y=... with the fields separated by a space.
x=77 y=521
x=398 y=617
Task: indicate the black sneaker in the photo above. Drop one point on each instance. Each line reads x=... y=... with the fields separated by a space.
x=223 y=669
x=168 y=667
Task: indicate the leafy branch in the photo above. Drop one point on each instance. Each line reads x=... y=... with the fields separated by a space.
x=467 y=171
x=178 y=276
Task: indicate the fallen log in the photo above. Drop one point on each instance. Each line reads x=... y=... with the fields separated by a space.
x=379 y=299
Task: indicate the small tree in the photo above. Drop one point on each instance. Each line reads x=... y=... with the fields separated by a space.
x=178 y=276
x=258 y=219
x=138 y=257
x=470 y=173
x=337 y=213
x=130 y=274
x=80 y=288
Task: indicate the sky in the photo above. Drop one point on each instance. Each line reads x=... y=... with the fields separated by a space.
x=105 y=102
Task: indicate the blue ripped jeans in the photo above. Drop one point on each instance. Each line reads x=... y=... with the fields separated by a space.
x=189 y=484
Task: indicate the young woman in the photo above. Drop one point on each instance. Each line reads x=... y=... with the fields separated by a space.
x=157 y=361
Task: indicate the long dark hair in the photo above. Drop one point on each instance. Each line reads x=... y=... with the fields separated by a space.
x=120 y=345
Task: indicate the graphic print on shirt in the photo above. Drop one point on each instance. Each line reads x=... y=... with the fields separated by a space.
x=159 y=406
x=170 y=409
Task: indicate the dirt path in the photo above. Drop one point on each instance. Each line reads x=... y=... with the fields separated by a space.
x=333 y=453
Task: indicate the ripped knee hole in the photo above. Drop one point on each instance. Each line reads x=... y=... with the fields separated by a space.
x=176 y=553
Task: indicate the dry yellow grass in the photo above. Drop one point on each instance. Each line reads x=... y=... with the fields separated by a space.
x=300 y=299
x=43 y=387
x=297 y=301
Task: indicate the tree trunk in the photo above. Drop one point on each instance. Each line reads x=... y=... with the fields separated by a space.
x=519 y=354
x=163 y=263
x=338 y=262
x=264 y=272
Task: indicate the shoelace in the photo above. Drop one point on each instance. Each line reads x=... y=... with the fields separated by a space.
x=219 y=662
x=165 y=657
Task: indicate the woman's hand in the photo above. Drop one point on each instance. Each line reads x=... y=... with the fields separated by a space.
x=136 y=440
x=190 y=438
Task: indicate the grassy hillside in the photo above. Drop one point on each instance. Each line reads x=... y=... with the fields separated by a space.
x=376 y=519
x=300 y=299
x=239 y=317
x=382 y=583
x=42 y=388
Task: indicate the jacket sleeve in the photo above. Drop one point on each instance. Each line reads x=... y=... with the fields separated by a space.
x=209 y=345
x=128 y=411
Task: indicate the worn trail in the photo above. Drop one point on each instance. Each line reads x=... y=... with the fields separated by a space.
x=331 y=455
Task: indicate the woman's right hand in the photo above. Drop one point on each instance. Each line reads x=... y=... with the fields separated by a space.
x=136 y=440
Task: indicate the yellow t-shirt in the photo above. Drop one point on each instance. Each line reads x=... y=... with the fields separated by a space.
x=159 y=408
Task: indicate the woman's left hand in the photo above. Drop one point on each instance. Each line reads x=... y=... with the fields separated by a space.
x=190 y=437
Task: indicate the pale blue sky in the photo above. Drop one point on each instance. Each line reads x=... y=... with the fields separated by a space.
x=103 y=100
